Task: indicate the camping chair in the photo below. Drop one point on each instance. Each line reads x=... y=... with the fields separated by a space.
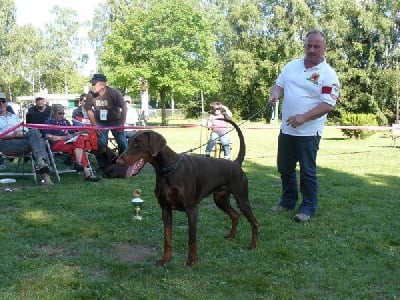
x=54 y=158
x=20 y=168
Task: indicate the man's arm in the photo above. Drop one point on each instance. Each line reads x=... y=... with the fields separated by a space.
x=91 y=117
x=28 y=116
x=16 y=134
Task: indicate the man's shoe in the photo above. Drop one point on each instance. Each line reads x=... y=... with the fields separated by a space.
x=3 y=166
x=78 y=166
x=301 y=218
x=92 y=178
x=46 y=180
x=278 y=207
x=42 y=166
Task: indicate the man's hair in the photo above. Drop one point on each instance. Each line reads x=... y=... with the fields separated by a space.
x=55 y=108
x=83 y=95
x=312 y=31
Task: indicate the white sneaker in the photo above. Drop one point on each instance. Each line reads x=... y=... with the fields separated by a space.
x=301 y=218
x=46 y=180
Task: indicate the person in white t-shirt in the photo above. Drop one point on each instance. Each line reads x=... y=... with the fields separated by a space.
x=131 y=116
x=310 y=90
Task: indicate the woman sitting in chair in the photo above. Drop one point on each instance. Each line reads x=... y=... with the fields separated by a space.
x=68 y=141
x=219 y=128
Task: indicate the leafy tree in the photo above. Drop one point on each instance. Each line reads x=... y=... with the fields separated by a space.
x=7 y=24
x=104 y=16
x=170 y=43
x=369 y=49
x=59 y=51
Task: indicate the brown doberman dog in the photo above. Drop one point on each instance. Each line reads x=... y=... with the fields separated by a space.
x=182 y=181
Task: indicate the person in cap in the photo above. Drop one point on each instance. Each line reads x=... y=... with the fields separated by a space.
x=9 y=109
x=22 y=141
x=219 y=128
x=106 y=107
x=39 y=112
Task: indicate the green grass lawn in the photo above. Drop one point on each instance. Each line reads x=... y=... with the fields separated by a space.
x=77 y=240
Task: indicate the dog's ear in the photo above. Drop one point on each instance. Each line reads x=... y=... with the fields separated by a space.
x=156 y=143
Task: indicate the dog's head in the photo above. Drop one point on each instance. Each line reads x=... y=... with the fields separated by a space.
x=142 y=147
x=115 y=171
x=109 y=155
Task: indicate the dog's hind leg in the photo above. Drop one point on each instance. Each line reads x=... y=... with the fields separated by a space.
x=221 y=199
x=167 y=220
x=242 y=201
x=192 y=257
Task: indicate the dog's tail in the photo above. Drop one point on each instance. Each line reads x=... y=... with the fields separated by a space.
x=242 y=146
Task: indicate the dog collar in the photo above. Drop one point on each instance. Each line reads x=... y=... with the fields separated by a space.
x=171 y=168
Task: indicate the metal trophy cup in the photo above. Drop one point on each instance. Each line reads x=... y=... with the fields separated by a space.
x=137 y=204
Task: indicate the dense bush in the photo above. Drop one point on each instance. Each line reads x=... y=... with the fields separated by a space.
x=352 y=119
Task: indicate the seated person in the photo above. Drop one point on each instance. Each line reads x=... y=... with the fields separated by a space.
x=39 y=112
x=11 y=110
x=75 y=148
x=22 y=141
x=219 y=129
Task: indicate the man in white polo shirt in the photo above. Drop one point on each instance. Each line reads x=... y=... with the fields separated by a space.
x=311 y=89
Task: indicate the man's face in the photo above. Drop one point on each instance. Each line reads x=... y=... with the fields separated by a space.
x=40 y=102
x=97 y=86
x=315 y=48
x=3 y=105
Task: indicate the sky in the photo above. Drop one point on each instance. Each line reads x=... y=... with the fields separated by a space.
x=37 y=13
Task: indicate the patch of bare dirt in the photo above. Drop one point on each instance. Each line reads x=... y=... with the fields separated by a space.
x=134 y=253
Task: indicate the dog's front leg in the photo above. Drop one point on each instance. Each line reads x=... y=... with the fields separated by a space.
x=167 y=220
x=192 y=222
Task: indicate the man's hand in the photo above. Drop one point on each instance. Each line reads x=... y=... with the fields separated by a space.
x=274 y=94
x=295 y=120
x=19 y=134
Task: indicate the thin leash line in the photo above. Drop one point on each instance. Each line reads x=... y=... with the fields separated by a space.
x=240 y=124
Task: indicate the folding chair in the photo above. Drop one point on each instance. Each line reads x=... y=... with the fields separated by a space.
x=53 y=161
x=20 y=168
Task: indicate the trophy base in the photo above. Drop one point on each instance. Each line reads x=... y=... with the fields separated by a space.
x=137 y=218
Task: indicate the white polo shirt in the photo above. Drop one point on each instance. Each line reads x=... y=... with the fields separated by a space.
x=304 y=89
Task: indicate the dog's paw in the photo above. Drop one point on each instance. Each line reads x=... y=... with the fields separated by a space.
x=162 y=262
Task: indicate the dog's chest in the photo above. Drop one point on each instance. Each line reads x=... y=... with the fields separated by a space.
x=170 y=196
